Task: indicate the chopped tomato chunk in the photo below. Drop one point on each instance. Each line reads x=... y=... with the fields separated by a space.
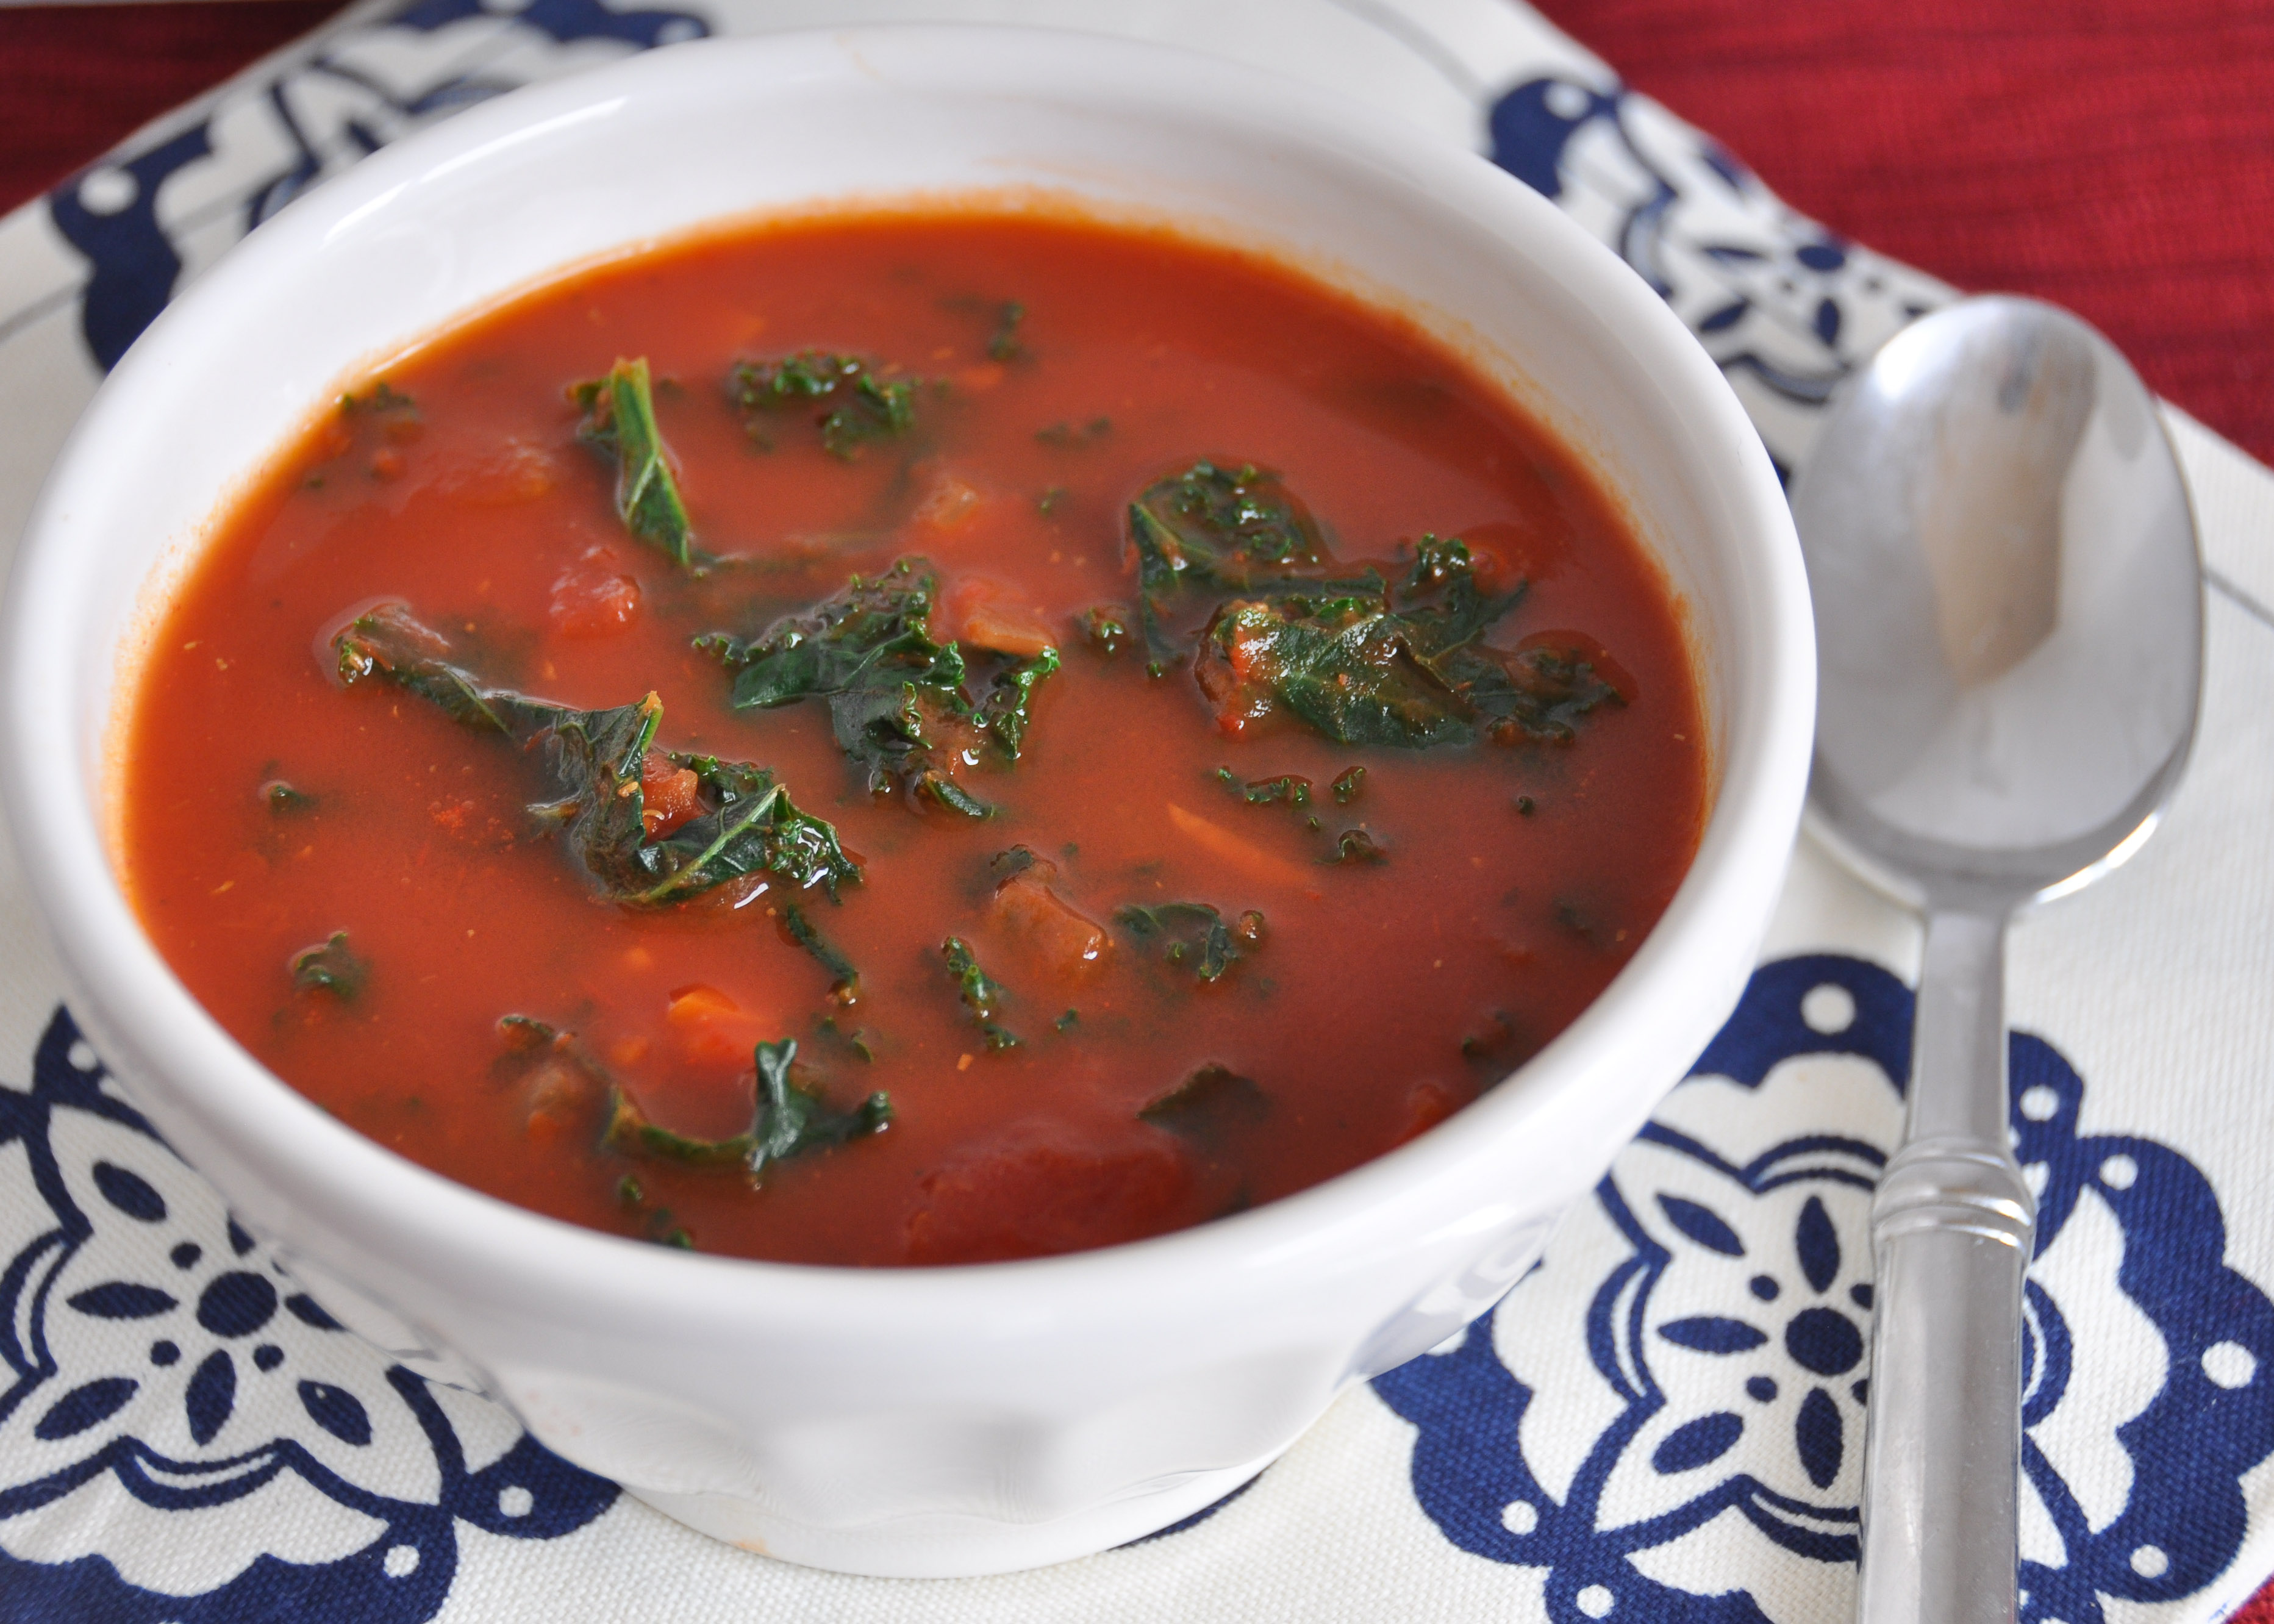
x=563 y=1094
x=1427 y=1103
x=1056 y=936
x=949 y=505
x=669 y=795
x=516 y=472
x=1226 y=676
x=592 y=598
x=1037 y=1191
x=1501 y=554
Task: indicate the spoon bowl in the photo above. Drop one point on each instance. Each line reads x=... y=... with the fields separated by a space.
x=2009 y=609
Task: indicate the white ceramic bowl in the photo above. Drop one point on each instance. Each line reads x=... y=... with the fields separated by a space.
x=960 y=1420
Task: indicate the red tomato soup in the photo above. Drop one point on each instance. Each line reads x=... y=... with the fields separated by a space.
x=912 y=739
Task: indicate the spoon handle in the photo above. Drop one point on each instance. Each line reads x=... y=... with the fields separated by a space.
x=1951 y=1228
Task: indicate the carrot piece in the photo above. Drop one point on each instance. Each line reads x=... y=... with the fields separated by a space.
x=991 y=614
x=1251 y=860
x=690 y=1006
x=1005 y=628
x=709 y=1029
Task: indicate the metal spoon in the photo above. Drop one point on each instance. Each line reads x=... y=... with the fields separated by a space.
x=2009 y=612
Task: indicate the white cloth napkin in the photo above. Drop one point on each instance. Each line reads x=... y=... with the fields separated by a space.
x=1661 y=1423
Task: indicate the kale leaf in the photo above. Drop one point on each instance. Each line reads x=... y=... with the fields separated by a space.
x=523 y=1034
x=1356 y=658
x=874 y=633
x=285 y=798
x=856 y=405
x=1209 y=1106
x=1006 y=709
x=1065 y=436
x=595 y=761
x=1293 y=788
x=1105 y=627
x=629 y=1132
x=752 y=827
x=845 y=987
x=563 y=1088
x=982 y=993
x=1539 y=691
x=1444 y=572
x=1227 y=525
x=791 y=1120
x=1191 y=933
x=1343 y=664
x=391 y=643
x=1363 y=661
x=896 y=699
x=899 y=702
x=384 y=396
x=1356 y=846
x=787 y=1119
x=1010 y=863
x=1002 y=344
x=1407 y=670
x=1210 y=527
x=619 y=418
x=330 y=967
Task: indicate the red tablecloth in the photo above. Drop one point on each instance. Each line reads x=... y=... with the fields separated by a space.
x=2116 y=156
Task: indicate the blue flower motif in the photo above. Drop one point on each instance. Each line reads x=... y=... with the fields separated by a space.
x=1820 y=1333
x=337 y=108
x=1783 y=305
x=148 y=1344
x=1716 y=1396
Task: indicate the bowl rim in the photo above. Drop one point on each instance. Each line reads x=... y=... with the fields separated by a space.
x=314 y=1162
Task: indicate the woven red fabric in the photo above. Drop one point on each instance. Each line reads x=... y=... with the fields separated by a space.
x=2112 y=155
x=77 y=80
x=2116 y=156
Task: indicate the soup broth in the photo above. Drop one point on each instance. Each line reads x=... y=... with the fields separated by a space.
x=912 y=739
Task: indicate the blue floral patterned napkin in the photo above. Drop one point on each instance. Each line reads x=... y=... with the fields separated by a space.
x=1660 y=1423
